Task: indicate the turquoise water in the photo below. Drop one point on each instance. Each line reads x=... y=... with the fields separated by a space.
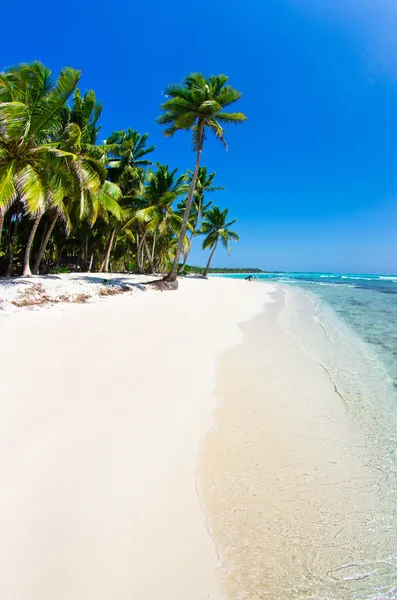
x=366 y=303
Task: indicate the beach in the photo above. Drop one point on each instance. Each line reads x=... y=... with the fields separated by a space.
x=186 y=445
x=297 y=478
x=103 y=410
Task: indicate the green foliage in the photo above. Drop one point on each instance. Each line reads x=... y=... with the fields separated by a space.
x=198 y=103
x=216 y=228
x=190 y=269
x=69 y=203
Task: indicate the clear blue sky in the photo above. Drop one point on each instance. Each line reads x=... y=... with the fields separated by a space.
x=312 y=175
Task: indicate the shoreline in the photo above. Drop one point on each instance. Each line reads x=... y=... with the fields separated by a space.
x=294 y=488
x=100 y=429
x=196 y=435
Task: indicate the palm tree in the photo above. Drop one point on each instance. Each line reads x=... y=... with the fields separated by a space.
x=158 y=217
x=35 y=170
x=79 y=136
x=85 y=112
x=198 y=105
x=204 y=184
x=215 y=227
x=127 y=152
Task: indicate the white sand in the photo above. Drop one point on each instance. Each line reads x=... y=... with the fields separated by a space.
x=102 y=410
x=17 y=292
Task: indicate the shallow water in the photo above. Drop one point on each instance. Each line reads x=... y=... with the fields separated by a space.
x=299 y=477
x=367 y=303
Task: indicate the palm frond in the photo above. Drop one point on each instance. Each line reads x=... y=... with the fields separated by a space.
x=30 y=187
x=7 y=187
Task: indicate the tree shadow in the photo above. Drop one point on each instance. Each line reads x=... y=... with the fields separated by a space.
x=112 y=281
x=26 y=280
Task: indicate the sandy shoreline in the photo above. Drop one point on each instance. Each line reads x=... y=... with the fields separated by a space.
x=184 y=445
x=297 y=501
x=103 y=409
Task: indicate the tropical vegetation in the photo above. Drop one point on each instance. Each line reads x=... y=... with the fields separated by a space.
x=216 y=228
x=69 y=203
x=199 y=270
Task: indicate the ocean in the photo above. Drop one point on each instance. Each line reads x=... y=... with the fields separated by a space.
x=365 y=303
x=347 y=323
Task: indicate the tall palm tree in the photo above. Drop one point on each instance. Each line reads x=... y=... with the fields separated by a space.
x=216 y=228
x=198 y=104
x=34 y=169
x=204 y=185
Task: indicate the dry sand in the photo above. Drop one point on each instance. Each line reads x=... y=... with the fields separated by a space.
x=102 y=412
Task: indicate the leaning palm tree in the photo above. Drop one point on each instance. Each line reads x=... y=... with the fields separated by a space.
x=216 y=228
x=198 y=105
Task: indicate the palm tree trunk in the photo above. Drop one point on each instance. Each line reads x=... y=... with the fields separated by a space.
x=79 y=256
x=137 y=257
x=149 y=258
x=44 y=244
x=13 y=240
x=108 y=251
x=154 y=246
x=91 y=261
x=26 y=260
x=186 y=255
x=181 y=242
x=86 y=252
x=142 y=248
x=210 y=258
x=1 y=223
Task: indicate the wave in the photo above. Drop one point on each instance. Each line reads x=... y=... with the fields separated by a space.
x=334 y=284
x=374 y=278
x=315 y=283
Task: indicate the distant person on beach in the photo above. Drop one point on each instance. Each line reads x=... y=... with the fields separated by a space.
x=248 y=278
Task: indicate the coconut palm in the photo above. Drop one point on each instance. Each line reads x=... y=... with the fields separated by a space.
x=79 y=136
x=127 y=152
x=198 y=105
x=215 y=227
x=85 y=112
x=35 y=170
x=204 y=185
x=126 y=159
x=158 y=217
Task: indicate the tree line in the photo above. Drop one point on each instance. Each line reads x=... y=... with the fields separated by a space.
x=68 y=202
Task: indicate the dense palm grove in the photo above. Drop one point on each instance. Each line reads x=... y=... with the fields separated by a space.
x=68 y=202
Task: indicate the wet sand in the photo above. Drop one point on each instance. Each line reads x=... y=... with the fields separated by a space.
x=296 y=507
